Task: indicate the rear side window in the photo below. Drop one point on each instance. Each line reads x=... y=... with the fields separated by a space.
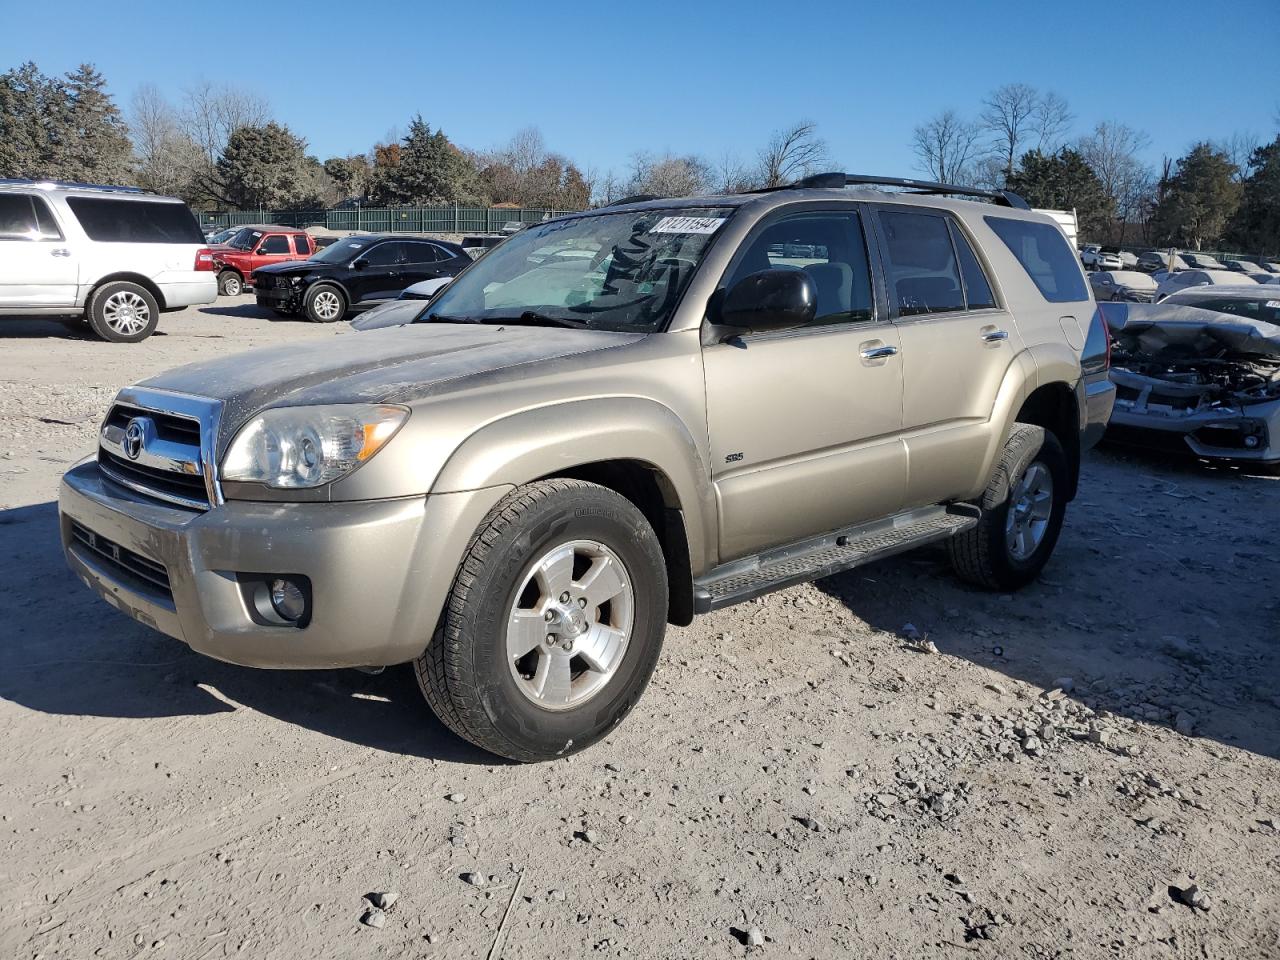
x=977 y=291
x=278 y=243
x=421 y=253
x=301 y=243
x=1044 y=254
x=108 y=220
x=921 y=263
x=24 y=217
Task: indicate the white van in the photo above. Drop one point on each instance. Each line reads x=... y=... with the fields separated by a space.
x=117 y=256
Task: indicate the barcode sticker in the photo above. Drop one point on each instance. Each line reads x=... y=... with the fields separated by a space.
x=688 y=225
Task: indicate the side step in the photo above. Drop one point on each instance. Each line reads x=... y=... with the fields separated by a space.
x=830 y=553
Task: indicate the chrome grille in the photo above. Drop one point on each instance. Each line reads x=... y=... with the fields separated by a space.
x=153 y=443
x=122 y=560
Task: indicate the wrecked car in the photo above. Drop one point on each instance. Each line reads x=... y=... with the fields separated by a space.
x=1194 y=380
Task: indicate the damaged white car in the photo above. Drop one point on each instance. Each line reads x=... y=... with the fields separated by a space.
x=1198 y=381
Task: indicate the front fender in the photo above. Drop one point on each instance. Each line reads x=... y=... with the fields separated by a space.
x=547 y=440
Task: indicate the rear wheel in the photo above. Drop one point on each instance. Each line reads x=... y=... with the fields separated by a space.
x=554 y=623
x=123 y=312
x=324 y=304
x=230 y=283
x=1022 y=513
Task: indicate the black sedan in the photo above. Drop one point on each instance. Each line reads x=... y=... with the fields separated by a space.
x=354 y=274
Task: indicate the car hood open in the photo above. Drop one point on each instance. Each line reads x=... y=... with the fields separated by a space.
x=399 y=365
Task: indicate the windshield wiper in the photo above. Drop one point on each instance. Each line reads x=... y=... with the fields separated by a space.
x=442 y=318
x=533 y=318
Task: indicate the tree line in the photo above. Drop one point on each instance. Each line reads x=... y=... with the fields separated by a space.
x=1219 y=194
x=219 y=147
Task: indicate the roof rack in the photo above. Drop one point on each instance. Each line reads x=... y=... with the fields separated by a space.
x=66 y=184
x=1005 y=198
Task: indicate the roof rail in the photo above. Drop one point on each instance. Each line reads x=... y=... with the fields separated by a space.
x=66 y=184
x=1005 y=198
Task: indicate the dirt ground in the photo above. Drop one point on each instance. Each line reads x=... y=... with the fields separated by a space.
x=1089 y=768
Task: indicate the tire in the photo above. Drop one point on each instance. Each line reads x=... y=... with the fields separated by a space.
x=122 y=312
x=992 y=555
x=324 y=304
x=230 y=283
x=549 y=702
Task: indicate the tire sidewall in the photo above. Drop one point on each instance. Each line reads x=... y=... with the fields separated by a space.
x=97 y=319
x=226 y=279
x=310 y=298
x=1049 y=452
x=559 y=519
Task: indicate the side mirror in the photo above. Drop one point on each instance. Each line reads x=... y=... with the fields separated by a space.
x=770 y=300
x=359 y=264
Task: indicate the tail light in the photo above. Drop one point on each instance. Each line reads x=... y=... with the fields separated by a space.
x=1096 y=356
x=204 y=260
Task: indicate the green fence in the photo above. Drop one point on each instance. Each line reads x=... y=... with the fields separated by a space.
x=446 y=218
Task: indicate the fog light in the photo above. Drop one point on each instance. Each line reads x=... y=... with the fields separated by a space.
x=1250 y=442
x=288 y=600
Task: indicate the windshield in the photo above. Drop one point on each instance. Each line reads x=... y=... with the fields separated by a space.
x=245 y=239
x=621 y=271
x=342 y=251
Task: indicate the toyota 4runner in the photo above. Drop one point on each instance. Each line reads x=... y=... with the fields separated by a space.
x=614 y=421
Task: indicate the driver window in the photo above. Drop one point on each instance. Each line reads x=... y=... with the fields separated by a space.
x=275 y=244
x=384 y=254
x=829 y=246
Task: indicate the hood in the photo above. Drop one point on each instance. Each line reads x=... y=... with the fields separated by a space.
x=394 y=314
x=291 y=266
x=1171 y=331
x=383 y=366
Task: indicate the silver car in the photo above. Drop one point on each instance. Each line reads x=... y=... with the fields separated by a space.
x=1199 y=374
x=1128 y=285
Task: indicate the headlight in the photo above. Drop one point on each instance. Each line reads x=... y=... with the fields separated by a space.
x=295 y=447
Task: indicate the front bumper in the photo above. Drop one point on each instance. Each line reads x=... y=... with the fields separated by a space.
x=379 y=570
x=1211 y=434
x=278 y=298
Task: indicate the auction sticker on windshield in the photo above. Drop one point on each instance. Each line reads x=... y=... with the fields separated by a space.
x=688 y=225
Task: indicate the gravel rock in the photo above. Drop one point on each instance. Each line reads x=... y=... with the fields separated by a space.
x=755 y=938
x=383 y=901
x=475 y=879
x=373 y=917
x=457 y=798
x=1185 y=723
x=1032 y=744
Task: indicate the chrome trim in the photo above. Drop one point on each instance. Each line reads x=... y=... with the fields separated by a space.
x=879 y=353
x=152 y=492
x=205 y=411
x=995 y=336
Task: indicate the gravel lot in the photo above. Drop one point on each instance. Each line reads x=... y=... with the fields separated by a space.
x=1090 y=768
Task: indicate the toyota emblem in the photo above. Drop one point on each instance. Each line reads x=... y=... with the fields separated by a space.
x=134 y=435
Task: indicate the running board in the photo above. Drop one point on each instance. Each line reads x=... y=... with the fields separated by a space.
x=817 y=557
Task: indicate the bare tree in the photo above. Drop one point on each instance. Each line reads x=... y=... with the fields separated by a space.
x=791 y=153
x=1112 y=152
x=209 y=115
x=731 y=175
x=1052 y=120
x=1009 y=116
x=945 y=146
x=669 y=175
x=167 y=159
x=1239 y=148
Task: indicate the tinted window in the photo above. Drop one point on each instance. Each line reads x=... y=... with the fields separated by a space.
x=1043 y=252
x=420 y=253
x=920 y=263
x=384 y=254
x=830 y=248
x=977 y=291
x=108 y=220
x=301 y=243
x=276 y=244
x=24 y=217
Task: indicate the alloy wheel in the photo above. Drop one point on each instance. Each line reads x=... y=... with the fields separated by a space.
x=126 y=313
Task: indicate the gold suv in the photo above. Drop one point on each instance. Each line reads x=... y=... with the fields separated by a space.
x=611 y=422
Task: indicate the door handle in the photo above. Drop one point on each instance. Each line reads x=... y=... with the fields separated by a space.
x=60 y=252
x=879 y=353
x=994 y=336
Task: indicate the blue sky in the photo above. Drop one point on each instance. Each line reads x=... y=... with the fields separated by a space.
x=603 y=80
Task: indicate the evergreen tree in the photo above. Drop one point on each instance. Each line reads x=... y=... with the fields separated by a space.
x=96 y=137
x=1256 y=225
x=265 y=167
x=429 y=169
x=1063 y=181
x=1199 y=199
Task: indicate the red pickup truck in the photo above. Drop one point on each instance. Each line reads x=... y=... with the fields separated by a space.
x=256 y=246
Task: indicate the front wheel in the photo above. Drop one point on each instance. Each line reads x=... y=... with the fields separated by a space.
x=324 y=304
x=554 y=623
x=1022 y=512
